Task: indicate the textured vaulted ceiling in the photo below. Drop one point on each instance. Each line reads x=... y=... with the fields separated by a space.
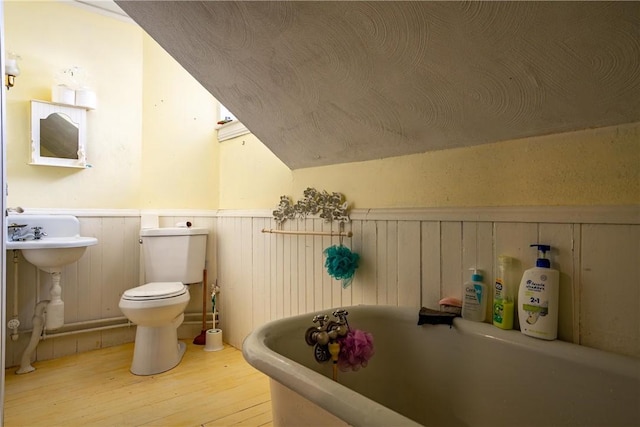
x=331 y=82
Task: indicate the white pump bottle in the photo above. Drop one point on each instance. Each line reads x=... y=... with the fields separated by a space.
x=538 y=299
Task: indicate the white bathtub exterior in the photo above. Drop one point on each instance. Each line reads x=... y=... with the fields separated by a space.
x=470 y=375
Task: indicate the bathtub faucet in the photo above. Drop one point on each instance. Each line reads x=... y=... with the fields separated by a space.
x=341 y=314
x=322 y=319
x=327 y=330
x=325 y=337
x=341 y=326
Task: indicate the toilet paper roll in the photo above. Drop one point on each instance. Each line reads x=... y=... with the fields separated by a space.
x=63 y=94
x=183 y=224
x=86 y=98
x=213 y=340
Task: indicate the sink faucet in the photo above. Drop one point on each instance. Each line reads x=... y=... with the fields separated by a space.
x=15 y=231
x=38 y=233
x=18 y=233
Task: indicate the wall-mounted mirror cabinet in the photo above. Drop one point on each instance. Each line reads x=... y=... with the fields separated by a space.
x=58 y=135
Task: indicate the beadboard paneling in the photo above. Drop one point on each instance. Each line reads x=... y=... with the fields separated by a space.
x=409 y=257
x=609 y=306
x=410 y=261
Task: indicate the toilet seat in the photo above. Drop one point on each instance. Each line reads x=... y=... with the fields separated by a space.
x=155 y=291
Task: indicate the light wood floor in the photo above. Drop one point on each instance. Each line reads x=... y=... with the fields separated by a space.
x=96 y=389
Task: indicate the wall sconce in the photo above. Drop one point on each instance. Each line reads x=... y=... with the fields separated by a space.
x=11 y=70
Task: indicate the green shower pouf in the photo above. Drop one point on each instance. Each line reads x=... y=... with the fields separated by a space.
x=341 y=263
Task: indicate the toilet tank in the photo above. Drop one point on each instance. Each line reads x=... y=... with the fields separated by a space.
x=174 y=254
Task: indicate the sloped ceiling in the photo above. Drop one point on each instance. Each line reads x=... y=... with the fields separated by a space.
x=331 y=82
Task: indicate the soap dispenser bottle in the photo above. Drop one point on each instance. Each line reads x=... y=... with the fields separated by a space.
x=538 y=298
x=474 y=298
x=504 y=293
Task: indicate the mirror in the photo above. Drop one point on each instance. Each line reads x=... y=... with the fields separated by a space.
x=58 y=135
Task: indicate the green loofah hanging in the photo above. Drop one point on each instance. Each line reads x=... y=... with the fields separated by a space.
x=341 y=263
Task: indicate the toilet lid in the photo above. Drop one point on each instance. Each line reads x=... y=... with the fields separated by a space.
x=155 y=290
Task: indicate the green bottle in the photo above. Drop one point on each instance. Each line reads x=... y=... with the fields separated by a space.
x=503 y=294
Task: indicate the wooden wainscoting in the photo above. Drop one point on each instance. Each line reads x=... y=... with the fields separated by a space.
x=414 y=257
x=96 y=388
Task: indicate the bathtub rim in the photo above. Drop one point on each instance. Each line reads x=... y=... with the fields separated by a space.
x=592 y=357
x=333 y=396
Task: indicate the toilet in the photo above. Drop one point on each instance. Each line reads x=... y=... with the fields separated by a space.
x=173 y=257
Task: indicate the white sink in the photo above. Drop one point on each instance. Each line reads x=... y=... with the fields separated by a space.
x=53 y=252
x=49 y=242
x=61 y=244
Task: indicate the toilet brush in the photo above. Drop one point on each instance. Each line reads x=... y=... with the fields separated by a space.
x=202 y=338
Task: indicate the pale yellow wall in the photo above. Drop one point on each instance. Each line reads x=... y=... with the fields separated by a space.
x=591 y=167
x=179 y=149
x=251 y=176
x=51 y=36
x=150 y=142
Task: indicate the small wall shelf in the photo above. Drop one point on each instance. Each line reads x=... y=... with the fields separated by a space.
x=62 y=104
x=231 y=130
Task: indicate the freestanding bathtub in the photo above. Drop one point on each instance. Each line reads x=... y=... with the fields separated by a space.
x=471 y=374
